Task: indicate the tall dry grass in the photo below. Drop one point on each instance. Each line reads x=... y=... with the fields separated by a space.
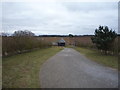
x=12 y=44
x=87 y=42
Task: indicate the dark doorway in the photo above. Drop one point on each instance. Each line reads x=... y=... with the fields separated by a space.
x=61 y=44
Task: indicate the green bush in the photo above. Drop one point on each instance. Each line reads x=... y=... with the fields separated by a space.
x=103 y=38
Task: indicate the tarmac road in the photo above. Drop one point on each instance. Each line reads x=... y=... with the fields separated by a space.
x=70 y=69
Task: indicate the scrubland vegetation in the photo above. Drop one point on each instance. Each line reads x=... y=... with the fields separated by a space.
x=21 y=41
x=114 y=48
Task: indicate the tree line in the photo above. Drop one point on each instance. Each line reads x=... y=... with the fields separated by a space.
x=104 y=38
x=21 y=41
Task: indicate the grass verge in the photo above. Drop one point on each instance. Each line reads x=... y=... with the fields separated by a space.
x=95 y=55
x=22 y=71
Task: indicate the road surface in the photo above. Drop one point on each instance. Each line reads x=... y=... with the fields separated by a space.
x=70 y=69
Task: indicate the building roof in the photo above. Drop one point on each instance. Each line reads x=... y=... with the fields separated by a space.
x=61 y=40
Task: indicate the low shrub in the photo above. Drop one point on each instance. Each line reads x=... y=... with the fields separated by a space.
x=21 y=41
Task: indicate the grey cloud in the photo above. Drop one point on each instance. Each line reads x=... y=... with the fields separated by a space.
x=59 y=17
x=90 y=6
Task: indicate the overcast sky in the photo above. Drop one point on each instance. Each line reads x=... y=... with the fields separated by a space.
x=78 y=18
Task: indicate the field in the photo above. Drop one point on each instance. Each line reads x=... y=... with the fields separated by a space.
x=82 y=41
x=22 y=70
x=95 y=55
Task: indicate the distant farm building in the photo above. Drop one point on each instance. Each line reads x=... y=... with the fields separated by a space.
x=61 y=42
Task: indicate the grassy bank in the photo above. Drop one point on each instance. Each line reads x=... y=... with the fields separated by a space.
x=108 y=60
x=22 y=71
